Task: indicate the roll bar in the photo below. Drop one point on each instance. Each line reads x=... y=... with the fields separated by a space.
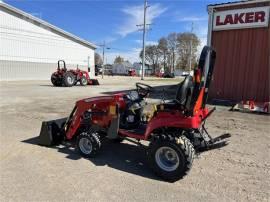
x=200 y=82
x=58 y=64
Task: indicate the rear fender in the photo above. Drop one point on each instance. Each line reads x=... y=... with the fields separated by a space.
x=172 y=120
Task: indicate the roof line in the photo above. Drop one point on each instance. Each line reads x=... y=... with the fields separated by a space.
x=46 y=24
x=236 y=3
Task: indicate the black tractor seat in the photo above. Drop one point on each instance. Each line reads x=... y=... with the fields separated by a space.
x=183 y=96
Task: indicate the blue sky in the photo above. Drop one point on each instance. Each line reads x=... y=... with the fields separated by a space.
x=114 y=21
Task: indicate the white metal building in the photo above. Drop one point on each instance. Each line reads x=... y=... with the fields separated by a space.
x=121 y=68
x=137 y=66
x=31 y=47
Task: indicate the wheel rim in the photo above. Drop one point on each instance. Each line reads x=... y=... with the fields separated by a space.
x=167 y=159
x=85 y=145
x=84 y=81
x=69 y=80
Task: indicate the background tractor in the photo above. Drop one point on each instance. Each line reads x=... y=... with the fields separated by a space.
x=68 y=78
x=174 y=128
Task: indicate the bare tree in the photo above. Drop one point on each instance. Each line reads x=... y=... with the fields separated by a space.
x=173 y=51
x=183 y=49
x=172 y=46
x=152 y=56
x=98 y=59
x=163 y=47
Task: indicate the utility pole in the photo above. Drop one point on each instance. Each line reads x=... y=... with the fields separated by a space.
x=103 y=53
x=191 y=40
x=144 y=32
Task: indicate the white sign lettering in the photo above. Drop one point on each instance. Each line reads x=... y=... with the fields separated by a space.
x=241 y=18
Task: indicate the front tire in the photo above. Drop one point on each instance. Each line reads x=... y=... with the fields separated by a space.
x=68 y=79
x=170 y=157
x=83 y=81
x=88 y=144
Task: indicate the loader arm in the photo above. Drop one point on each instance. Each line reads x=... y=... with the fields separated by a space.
x=98 y=110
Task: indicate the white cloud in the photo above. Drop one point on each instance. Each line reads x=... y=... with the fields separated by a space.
x=135 y=17
x=201 y=32
x=147 y=42
x=191 y=19
x=130 y=55
x=110 y=39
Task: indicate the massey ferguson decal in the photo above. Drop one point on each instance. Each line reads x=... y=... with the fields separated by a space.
x=241 y=18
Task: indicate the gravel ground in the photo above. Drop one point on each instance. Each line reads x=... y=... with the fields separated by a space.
x=237 y=172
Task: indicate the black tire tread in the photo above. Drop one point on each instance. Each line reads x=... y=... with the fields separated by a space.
x=96 y=143
x=81 y=81
x=184 y=145
x=65 y=82
x=55 y=80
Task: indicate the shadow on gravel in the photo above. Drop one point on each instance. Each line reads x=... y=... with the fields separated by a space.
x=121 y=156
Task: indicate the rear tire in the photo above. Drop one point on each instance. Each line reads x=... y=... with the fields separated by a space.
x=55 y=80
x=88 y=144
x=83 y=81
x=68 y=79
x=171 y=158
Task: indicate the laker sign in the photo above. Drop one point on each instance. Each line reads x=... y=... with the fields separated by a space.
x=241 y=18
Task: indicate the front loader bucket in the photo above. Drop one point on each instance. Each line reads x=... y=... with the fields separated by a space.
x=51 y=132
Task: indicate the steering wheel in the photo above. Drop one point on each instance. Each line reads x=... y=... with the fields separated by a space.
x=143 y=89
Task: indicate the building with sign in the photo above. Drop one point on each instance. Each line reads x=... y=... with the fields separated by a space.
x=240 y=34
x=31 y=47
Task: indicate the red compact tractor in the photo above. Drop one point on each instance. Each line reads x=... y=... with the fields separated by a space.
x=68 y=78
x=175 y=130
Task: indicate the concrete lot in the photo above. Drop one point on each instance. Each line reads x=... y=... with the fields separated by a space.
x=238 y=172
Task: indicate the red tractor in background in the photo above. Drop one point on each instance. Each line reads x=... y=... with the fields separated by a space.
x=68 y=78
x=175 y=129
x=131 y=72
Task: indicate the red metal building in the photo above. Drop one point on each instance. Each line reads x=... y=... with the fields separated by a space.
x=240 y=34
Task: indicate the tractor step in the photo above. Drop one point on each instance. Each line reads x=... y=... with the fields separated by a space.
x=218 y=142
x=221 y=137
x=212 y=143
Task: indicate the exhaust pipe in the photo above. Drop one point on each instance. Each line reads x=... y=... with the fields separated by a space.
x=52 y=132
